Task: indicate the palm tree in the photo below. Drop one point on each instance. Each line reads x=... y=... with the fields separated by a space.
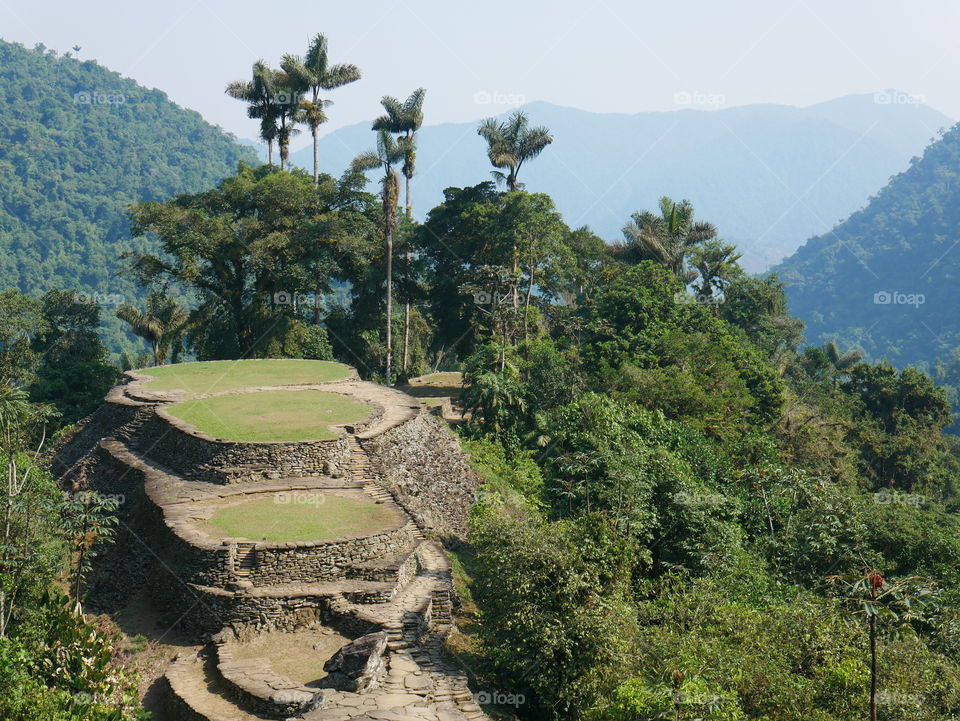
x=388 y=154
x=405 y=119
x=162 y=324
x=259 y=94
x=314 y=73
x=286 y=107
x=718 y=264
x=666 y=238
x=842 y=362
x=510 y=143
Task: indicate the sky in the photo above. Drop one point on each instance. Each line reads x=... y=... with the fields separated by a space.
x=480 y=59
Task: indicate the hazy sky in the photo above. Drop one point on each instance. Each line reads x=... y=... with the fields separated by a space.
x=477 y=58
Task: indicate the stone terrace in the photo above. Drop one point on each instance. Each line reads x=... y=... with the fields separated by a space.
x=389 y=589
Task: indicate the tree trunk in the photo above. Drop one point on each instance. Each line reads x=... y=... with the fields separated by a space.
x=389 y=301
x=406 y=337
x=269 y=152
x=526 y=307
x=873 y=667
x=406 y=305
x=316 y=158
x=515 y=291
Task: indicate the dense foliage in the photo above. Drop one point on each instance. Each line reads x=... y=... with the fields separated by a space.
x=78 y=145
x=686 y=514
x=881 y=280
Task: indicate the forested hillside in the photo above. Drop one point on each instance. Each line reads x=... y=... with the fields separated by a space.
x=680 y=509
x=78 y=145
x=883 y=281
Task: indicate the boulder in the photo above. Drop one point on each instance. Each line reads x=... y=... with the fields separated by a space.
x=359 y=666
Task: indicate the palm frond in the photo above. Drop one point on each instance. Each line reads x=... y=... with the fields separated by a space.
x=340 y=75
x=316 y=58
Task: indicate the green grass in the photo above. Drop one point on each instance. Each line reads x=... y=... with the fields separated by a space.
x=271 y=415
x=218 y=376
x=299 y=516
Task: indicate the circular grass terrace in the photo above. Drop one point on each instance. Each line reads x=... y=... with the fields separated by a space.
x=204 y=377
x=297 y=656
x=271 y=416
x=298 y=516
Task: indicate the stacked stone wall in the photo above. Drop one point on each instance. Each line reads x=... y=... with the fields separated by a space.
x=422 y=464
x=171 y=444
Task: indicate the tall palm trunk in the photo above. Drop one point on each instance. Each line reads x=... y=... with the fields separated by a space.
x=390 y=192
x=406 y=305
x=873 y=667
x=270 y=152
x=389 y=363
x=316 y=157
x=526 y=306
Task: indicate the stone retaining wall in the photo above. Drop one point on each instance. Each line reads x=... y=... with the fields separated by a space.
x=254 y=683
x=176 y=708
x=422 y=464
x=211 y=609
x=302 y=562
x=399 y=572
x=113 y=418
x=166 y=441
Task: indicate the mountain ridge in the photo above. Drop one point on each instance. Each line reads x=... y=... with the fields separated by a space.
x=769 y=175
x=882 y=279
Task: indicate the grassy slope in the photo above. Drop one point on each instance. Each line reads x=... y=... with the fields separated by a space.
x=220 y=376
x=299 y=517
x=271 y=415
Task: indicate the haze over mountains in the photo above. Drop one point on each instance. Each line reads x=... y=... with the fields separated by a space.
x=82 y=143
x=885 y=280
x=769 y=176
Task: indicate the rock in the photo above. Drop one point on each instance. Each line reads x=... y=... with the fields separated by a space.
x=359 y=666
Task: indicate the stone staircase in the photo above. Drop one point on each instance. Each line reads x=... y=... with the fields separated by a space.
x=360 y=468
x=244 y=560
x=420 y=683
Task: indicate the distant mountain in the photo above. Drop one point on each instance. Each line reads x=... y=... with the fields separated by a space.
x=885 y=280
x=78 y=145
x=769 y=176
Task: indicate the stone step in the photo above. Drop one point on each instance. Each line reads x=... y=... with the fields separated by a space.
x=200 y=694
